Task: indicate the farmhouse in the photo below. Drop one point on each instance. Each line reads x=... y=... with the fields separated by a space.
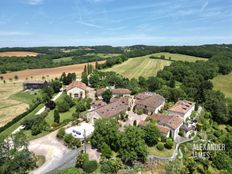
x=118 y=92
x=34 y=84
x=173 y=122
x=110 y=110
x=183 y=108
x=149 y=103
x=76 y=89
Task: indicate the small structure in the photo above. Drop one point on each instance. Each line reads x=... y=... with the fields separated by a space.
x=76 y=89
x=173 y=122
x=149 y=103
x=183 y=108
x=34 y=84
x=118 y=92
x=109 y=110
x=82 y=131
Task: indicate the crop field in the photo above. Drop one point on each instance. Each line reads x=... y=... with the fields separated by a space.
x=47 y=73
x=179 y=57
x=223 y=83
x=9 y=108
x=17 y=53
x=141 y=66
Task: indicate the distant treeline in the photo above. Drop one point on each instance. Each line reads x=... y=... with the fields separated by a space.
x=81 y=55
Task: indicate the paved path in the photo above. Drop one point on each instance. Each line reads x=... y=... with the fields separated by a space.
x=57 y=155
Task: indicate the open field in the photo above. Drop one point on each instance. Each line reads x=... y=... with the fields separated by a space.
x=179 y=57
x=47 y=73
x=223 y=83
x=63 y=59
x=141 y=66
x=17 y=53
x=105 y=56
x=9 y=108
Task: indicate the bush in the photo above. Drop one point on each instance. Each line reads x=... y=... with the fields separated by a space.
x=81 y=159
x=50 y=104
x=63 y=107
x=90 y=166
x=61 y=133
x=169 y=143
x=160 y=146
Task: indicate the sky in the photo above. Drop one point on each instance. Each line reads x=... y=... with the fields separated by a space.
x=114 y=22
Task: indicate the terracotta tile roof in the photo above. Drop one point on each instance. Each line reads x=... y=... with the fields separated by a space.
x=182 y=106
x=121 y=91
x=117 y=91
x=113 y=109
x=75 y=84
x=172 y=121
x=163 y=129
x=143 y=95
x=153 y=101
x=34 y=82
x=99 y=103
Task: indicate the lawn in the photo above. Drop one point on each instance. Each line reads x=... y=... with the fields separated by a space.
x=26 y=96
x=8 y=131
x=179 y=57
x=141 y=66
x=63 y=116
x=163 y=153
x=223 y=83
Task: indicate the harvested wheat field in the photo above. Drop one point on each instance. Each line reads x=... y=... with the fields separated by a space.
x=17 y=54
x=47 y=73
x=10 y=108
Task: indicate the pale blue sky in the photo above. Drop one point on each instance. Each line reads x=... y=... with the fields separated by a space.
x=114 y=22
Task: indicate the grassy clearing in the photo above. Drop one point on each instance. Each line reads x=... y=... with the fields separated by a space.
x=179 y=57
x=163 y=153
x=105 y=56
x=63 y=59
x=223 y=83
x=141 y=66
x=8 y=131
x=26 y=96
x=10 y=108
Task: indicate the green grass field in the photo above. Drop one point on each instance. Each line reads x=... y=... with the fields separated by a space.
x=179 y=57
x=26 y=96
x=63 y=59
x=223 y=83
x=141 y=66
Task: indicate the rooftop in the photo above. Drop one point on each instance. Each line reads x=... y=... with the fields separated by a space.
x=75 y=84
x=182 y=106
x=152 y=101
x=34 y=82
x=117 y=91
x=172 y=121
x=114 y=108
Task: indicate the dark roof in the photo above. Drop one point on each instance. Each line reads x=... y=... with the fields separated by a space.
x=117 y=91
x=34 y=82
x=153 y=101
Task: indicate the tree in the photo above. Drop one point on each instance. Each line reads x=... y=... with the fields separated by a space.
x=90 y=166
x=106 y=132
x=154 y=83
x=172 y=83
x=169 y=143
x=56 y=86
x=15 y=156
x=160 y=146
x=132 y=145
x=106 y=151
x=50 y=104
x=111 y=166
x=152 y=134
x=81 y=159
x=56 y=116
x=84 y=78
x=107 y=96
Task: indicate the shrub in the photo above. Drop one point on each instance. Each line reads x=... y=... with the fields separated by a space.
x=160 y=146
x=81 y=159
x=90 y=166
x=106 y=151
x=50 y=104
x=63 y=107
x=61 y=133
x=169 y=143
